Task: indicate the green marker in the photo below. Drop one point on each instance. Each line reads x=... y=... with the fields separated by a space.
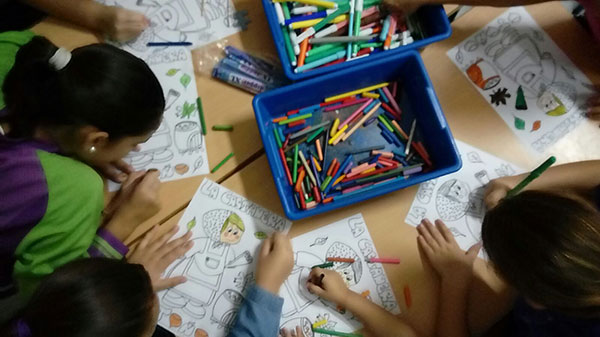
x=295 y=167
x=533 y=175
x=277 y=139
x=335 y=333
x=222 y=127
x=323 y=265
x=294 y=119
x=288 y=45
x=315 y=134
x=221 y=163
x=201 y=113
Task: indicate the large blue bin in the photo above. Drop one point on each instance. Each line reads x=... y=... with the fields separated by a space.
x=432 y=18
x=421 y=103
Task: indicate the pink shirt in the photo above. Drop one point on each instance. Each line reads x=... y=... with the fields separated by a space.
x=592 y=14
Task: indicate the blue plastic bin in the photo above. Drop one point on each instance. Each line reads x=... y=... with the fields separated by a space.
x=406 y=68
x=434 y=21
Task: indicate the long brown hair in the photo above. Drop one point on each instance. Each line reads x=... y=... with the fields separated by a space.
x=548 y=247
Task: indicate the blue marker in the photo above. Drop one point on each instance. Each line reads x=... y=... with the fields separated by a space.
x=321 y=62
x=385 y=29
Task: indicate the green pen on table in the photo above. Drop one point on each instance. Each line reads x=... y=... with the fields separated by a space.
x=201 y=113
x=533 y=175
x=335 y=333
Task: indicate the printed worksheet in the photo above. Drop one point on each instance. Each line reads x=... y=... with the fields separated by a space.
x=227 y=231
x=525 y=77
x=457 y=198
x=347 y=238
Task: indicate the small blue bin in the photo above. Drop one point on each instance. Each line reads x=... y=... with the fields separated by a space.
x=406 y=68
x=433 y=19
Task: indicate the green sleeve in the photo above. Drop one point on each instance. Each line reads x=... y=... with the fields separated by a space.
x=68 y=228
x=10 y=42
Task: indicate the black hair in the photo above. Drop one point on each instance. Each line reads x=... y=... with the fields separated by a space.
x=95 y=297
x=547 y=246
x=101 y=86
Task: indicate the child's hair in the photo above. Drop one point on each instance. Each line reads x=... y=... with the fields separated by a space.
x=101 y=86
x=94 y=297
x=548 y=247
x=235 y=220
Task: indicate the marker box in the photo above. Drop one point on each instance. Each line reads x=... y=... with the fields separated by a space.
x=417 y=99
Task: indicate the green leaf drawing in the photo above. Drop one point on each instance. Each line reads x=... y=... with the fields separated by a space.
x=519 y=123
x=185 y=80
x=172 y=72
x=188 y=110
x=191 y=224
x=260 y=235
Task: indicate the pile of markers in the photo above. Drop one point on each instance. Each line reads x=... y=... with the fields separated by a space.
x=303 y=148
x=247 y=72
x=320 y=33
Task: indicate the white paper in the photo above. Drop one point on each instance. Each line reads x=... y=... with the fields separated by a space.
x=457 y=198
x=219 y=270
x=348 y=238
x=197 y=21
x=513 y=52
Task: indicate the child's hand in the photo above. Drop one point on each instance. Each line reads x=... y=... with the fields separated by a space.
x=446 y=257
x=593 y=103
x=156 y=254
x=402 y=6
x=329 y=285
x=117 y=171
x=288 y=333
x=140 y=199
x=122 y=25
x=275 y=262
x=496 y=190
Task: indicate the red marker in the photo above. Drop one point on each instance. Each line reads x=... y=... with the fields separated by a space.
x=407 y=297
x=384 y=260
x=340 y=259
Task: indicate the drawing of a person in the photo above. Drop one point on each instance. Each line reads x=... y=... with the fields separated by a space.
x=205 y=267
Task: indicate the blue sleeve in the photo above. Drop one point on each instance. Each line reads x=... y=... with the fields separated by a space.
x=259 y=315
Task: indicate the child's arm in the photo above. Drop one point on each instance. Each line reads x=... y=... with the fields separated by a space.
x=455 y=268
x=377 y=320
x=118 y=23
x=580 y=178
x=261 y=310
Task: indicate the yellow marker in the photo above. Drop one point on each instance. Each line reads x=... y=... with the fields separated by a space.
x=338 y=180
x=356 y=92
x=338 y=134
x=319 y=323
x=316 y=163
x=310 y=23
x=370 y=95
x=320 y=3
x=367 y=171
x=334 y=127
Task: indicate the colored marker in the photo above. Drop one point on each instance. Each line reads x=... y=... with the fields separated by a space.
x=356 y=92
x=407 y=297
x=362 y=120
x=295 y=167
x=323 y=265
x=222 y=127
x=410 y=136
x=340 y=39
x=296 y=118
x=168 y=44
x=222 y=163
x=320 y=62
x=331 y=29
x=340 y=259
x=307 y=168
x=319 y=3
x=319 y=25
x=335 y=333
x=201 y=113
x=384 y=260
x=532 y=176
x=304 y=10
x=279 y=13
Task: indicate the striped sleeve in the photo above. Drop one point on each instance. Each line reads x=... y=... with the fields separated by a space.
x=106 y=245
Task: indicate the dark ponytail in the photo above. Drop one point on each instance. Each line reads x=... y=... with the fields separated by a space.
x=94 y=297
x=101 y=86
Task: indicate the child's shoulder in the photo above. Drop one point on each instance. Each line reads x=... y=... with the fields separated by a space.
x=69 y=172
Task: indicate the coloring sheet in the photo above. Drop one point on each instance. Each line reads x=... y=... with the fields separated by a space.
x=197 y=21
x=526 y=78
x=348 y=238
x=457 y=198
x=227 y=232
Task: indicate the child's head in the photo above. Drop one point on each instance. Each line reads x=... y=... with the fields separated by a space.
x=97 y=103
x=91 y=298
x=548 y=247
x=232 y=229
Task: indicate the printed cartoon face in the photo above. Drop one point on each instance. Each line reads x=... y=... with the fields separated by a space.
x=550 y=104
x=345 y=270
x=232 y=234
x=458 y=191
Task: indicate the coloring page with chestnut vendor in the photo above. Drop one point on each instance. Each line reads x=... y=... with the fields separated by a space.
x=348 y=238
x=177 y=148
x=227 y=231
x=457 y=199
x=526 y=78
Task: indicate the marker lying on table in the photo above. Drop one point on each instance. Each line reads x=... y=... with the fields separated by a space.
x=384 y=260
x=533 y=175
x=335 y=333
x=168 y=44
x=221 y=163
x=222 y=127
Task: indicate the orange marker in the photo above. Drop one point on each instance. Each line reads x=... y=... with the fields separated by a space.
x=279 y=119
x=302 y=55
x=319 y=151
x=300 y=180
x=407 y=297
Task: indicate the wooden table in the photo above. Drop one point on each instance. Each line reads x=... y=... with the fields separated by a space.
x=472 y=120
x=469 y=115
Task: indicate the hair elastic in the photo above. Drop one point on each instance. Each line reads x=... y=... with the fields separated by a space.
x=23 y=329
x=60 y=59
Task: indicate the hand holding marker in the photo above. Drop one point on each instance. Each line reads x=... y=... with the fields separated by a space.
x=533 y=175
